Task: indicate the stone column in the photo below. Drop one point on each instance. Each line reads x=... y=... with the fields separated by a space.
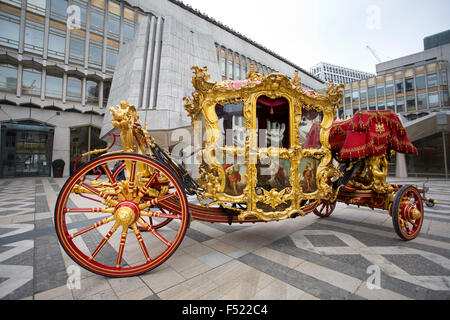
x=401 y=170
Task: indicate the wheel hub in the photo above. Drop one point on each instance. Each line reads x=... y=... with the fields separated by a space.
x=126 y=213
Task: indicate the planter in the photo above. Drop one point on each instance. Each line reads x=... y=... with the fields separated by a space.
x=58 y=168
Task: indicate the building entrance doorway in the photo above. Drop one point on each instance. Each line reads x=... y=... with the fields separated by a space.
x=26 y=149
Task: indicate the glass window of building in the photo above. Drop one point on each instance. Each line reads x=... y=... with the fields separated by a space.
x=8 y=77
x=410 y=103
x=59 y=7
x=421 y=101
x=37 y=6
x=433 y=99
x=381 y=104
x=95 y=53
x=73 y=89
x=355 y=96
x=16 y=3
x=53 y=86
x=34 y=36
x=400 y=105
x=363 y=93
x=389 y=88
x=10 y=26
x=444 y=79
x=420 y=82
x=31 y=82
x=84 y=139
x=92 y=91
x=390 y=104
x=223 y=63
x=57 y=40
x=111 y=58
x=409 y=84
x=230 y=66
x=432 y=80
x=128 y=31
x=399 y=86
x=371 y=92
x=237 y=67
x=97 y=19
x=380 y=90
x=347 y=97
x=106 y=89
x=444 y=97
x=76 y=49
x=113 y=25
x=372 y=106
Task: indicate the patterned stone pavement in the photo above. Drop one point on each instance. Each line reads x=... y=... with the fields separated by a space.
x=353 y=254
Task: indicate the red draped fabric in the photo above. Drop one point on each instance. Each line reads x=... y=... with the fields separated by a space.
x=266 y=101
x=369 y=133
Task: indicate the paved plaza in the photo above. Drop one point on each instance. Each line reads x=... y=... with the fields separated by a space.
x=353 y=254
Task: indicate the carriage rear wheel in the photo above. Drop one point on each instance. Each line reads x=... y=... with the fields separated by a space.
x=324 y=209
x=407 y=212
x=99 y=218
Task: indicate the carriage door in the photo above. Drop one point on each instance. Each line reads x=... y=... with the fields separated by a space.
x=272 y=187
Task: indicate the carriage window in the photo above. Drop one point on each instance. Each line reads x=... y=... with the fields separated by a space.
x=310 y=129
x=273 y=122
x=231 y=124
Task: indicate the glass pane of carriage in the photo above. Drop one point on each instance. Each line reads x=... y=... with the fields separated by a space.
x=273 y=128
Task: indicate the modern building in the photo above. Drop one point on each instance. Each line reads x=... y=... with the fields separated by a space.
x=416 y=87
x=330 y=72
x=62 y=62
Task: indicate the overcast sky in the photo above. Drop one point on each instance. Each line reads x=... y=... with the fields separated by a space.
x=335 y=31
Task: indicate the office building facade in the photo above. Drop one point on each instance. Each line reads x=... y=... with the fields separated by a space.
x=58 y=59
x=330 y=72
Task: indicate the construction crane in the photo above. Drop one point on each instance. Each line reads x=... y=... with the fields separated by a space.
x=374 y=54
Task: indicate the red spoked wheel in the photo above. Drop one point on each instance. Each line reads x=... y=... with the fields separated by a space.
x=407 y=212
x=324 y=209
x=99 y=218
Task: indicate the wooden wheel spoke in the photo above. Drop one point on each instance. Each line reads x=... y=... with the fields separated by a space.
x=160 y=215
x=113 y=181
x=95 y=225
x=141 y=242
x=96 y=210
x=155 y=201
x=104 y=240
x=123 y=239
x=154 y=232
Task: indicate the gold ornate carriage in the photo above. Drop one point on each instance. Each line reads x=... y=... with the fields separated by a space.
x=270 y=151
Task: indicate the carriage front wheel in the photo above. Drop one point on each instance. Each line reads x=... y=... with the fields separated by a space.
x=98 y=217
x=407 y=212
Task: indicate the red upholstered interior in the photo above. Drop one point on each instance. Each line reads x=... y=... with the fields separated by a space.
x=369 y=133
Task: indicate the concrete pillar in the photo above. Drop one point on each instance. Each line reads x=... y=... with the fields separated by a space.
x=401 y=170
x=156 y=63
x=149 y=64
